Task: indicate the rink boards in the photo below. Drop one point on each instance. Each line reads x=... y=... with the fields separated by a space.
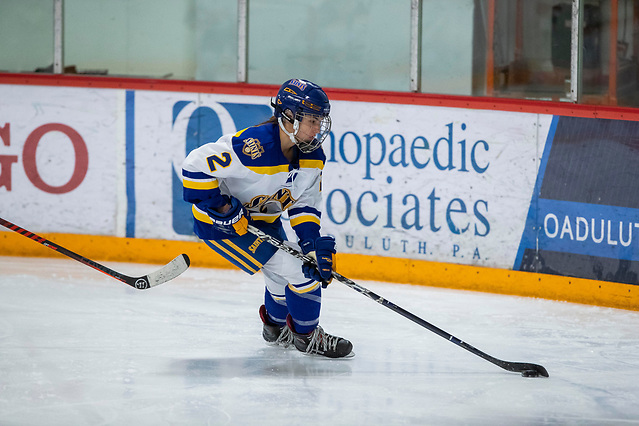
x=531 y=203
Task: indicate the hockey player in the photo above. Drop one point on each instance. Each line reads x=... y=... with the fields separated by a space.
x=252 y=177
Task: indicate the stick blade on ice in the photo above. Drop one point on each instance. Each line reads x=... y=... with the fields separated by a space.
x=169 y=271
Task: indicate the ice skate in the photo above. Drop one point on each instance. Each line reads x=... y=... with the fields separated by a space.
x=274 y=334
x=318 y=342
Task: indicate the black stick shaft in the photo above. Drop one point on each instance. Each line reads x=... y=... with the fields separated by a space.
x=164 y=274
x=53 y=246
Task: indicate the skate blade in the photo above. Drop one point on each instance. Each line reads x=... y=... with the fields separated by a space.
x=280 y=345
x=319 y=356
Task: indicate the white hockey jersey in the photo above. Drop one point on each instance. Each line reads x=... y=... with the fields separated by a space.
x=250 y=166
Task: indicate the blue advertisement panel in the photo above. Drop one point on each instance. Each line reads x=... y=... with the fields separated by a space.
x=583 y=219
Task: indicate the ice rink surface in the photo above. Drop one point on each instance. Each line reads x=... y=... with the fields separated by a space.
x=80 y=348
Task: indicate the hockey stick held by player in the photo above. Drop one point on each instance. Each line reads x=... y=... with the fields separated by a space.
x=251 y=178
x=526 y=369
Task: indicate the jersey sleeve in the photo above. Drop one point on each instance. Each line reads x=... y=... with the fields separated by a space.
x=201 y=173
x=305 y=214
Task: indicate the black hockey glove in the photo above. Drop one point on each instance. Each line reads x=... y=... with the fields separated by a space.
x=233 y=221
x=323 y=251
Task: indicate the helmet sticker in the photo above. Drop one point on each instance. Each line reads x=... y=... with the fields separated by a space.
x=310 y=105
x=298 y=83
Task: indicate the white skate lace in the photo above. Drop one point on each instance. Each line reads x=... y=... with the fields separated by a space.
x=285 y=338
x=319 y=338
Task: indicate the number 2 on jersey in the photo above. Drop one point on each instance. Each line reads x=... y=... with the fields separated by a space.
x=225 y=161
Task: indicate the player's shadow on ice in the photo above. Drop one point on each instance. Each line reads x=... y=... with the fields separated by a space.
x=288 y=364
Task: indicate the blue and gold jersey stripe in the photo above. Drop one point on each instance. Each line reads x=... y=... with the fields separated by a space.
x=200 y=215
x=235 y=255
x=307 y=218
x=284 y=168
x=201 y=185
x=269 y=170
x=198 y=186
x=305 y=221
x=265 y=217
x=312 y=164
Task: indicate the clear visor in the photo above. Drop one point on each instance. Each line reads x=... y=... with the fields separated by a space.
x=310 y=130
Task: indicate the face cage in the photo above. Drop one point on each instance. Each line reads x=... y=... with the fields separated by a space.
x=313 y=144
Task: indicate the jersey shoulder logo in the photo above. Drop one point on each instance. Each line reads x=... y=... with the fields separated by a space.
x=253 y=148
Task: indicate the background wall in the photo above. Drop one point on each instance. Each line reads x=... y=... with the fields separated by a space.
x=339 y=44
x=26 y=31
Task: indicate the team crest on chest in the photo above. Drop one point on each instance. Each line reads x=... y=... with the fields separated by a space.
x=252 y=148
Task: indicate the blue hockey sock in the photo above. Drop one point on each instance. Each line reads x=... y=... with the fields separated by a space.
x=276 y=308
x=304 y=303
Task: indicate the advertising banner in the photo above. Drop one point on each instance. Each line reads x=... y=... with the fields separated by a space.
x=62 y=159
x=583 y=220
x=441 y=184
x=508 y=190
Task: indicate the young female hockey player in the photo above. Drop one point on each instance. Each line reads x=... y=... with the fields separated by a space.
x=253 y=177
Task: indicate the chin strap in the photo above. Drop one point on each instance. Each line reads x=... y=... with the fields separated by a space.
x=290 y=135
